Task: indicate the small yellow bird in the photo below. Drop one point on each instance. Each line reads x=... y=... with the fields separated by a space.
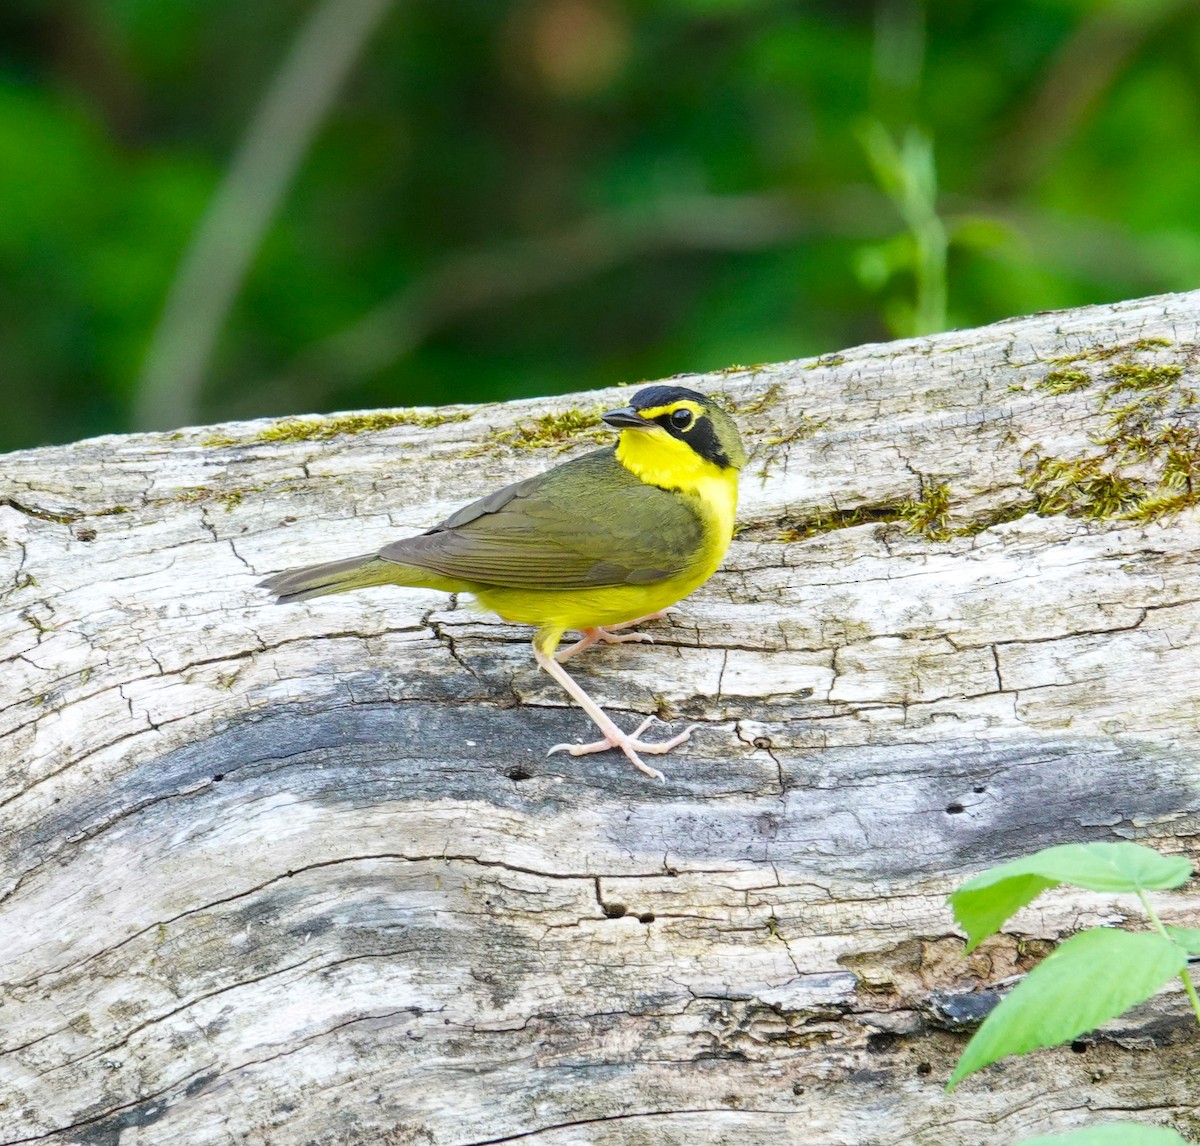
x=596 y=545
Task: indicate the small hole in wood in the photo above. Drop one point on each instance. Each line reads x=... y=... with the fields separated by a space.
x=614 y=910
x=955 y=809
x=1079 y=1047
x=519 y=774
x=646 y=917
x=924 y=1069
x=218 y=777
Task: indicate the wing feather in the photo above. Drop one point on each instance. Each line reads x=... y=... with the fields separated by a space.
x=585 y=524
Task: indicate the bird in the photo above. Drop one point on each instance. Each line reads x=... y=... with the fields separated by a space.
x=597 y=545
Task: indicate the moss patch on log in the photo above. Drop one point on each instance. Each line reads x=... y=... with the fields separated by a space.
x=322 y=429
x=927 y=515
x=558 y=430
x=1147 y=464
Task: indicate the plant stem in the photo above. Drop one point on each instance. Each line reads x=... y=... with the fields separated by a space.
x=907 y=175
x=1152 y=915
x=244 y=206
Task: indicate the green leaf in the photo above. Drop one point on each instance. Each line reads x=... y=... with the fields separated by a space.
x=1187 y=937
x=1089 y=979
x=981 y=911
x=982 y=904
x=1111 y=1134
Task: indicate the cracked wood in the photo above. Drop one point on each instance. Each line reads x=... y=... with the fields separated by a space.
x=304 y=874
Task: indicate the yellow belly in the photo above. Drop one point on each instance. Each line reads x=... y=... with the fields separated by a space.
x=585 y=608
x=714 y=498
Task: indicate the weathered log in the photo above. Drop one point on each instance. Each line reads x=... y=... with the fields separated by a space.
x=304 y=874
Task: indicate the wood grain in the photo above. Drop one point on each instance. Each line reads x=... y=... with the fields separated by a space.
x=304 y=874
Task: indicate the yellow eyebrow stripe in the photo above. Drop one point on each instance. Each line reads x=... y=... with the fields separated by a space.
x=682 y=404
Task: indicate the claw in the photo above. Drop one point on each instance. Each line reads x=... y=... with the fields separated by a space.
x=631 y=744
x=599 y=636
x=609 y=634
x=614 y=737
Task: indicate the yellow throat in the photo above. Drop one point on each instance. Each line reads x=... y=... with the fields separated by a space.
x=659 y=459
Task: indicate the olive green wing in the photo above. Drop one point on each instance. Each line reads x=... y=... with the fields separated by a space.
x=585 y=524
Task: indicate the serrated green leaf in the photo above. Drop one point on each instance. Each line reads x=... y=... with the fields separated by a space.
x=982 y=911
x=982 y=904
x=1089 y=979
x=1187 y=937
x=1111 y=1134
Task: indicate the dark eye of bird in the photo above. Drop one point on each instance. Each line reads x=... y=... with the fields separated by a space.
x=681 y=419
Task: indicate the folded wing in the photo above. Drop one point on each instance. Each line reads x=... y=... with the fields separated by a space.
x=585 y=524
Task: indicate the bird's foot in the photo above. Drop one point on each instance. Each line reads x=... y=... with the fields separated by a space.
x=609 y=635
x=631 y=745
x=661 y=615
x=599 y=636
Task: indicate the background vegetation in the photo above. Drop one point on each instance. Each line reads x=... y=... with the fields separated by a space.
x=240 y=207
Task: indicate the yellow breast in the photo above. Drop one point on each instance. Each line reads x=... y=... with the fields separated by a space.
x=658 y=459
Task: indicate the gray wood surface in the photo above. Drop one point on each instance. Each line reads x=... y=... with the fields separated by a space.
x=304 y=875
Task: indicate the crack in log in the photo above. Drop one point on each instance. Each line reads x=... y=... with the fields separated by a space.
x=366 y=857
x=939 y=403
x=630 y=1116
x=166 y=1015
x=188 y=666
x=58 y=518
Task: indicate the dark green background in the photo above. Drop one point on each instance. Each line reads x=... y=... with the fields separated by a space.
x=708 y=150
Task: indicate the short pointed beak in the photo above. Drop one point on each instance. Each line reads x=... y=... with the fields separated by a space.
x=626 y=418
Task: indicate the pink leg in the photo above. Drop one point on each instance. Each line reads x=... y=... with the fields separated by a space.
x=660 y=615
x=608 y=635
x=631 y=745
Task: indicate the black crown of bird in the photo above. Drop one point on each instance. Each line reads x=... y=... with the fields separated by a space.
x=597 y=545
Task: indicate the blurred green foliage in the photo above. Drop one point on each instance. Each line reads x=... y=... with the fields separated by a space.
x=524 y=198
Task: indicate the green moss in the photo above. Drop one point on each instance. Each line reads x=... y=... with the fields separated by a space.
x=784 y=435
x=828 y=520
x=322 y=429
x=1082 y=487
x=1148 y=458
x=929 y=514
x=230 y=498
x=1105 y=353
x=35 y=624
x=803 y=427
x=755 y=405
x=1001 y=516
x=41 y=514
x=740 y=368
x=1134 y=376
x=1064 y=381
x=559 y=430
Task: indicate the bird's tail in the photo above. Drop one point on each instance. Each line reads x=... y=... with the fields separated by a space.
x=334 y=577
